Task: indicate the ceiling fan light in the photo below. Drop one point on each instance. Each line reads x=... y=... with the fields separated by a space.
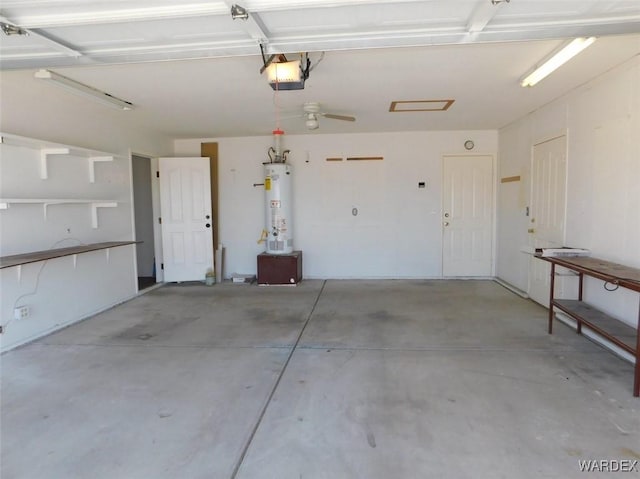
x=312 y=122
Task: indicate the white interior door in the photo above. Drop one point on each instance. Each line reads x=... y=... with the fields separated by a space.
x=185 y=206
x=547 y=212
x=467 y=216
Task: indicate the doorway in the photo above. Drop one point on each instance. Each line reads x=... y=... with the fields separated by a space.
x=548 y=207
x=143 y=214
x=467 y=223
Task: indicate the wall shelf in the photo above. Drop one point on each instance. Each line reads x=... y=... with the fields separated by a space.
x=44 y=159
x=48 y=149
x=46 y=202
x=92 y=165
x=36 y=256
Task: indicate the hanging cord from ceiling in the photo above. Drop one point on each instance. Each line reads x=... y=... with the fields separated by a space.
x=276 y=100
x=265 y=63
x=275 y=153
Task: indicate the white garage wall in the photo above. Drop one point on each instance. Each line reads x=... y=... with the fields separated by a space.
x=397 y=232
x=602 y=121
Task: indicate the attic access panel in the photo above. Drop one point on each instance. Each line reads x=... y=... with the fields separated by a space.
x=420 y=105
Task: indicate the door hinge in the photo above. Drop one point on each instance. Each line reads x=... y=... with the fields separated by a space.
x=157 y=174
x=162 y=266
x=160 y=220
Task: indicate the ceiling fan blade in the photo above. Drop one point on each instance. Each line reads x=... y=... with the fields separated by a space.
x=339 y=117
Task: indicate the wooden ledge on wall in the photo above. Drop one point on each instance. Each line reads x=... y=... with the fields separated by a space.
x=510 y=179
x=357 y=158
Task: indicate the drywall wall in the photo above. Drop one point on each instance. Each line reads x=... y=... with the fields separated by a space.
x=61 y=291
x=35 y=109
x=601 y=120
x=397 y=232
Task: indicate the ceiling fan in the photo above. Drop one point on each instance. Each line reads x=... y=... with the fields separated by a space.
x=312 y=112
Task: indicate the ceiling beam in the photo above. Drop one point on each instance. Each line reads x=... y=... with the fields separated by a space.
x=113 y=15
x=55 y=44
x=252 y=25
x=482 y=15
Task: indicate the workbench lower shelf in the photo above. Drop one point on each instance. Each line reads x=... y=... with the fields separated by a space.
x=617 y=332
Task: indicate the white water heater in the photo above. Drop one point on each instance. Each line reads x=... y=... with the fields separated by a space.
x=278 y=202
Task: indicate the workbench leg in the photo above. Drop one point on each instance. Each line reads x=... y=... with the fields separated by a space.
x=636 y=380
x=551 y=290
x=580 y=276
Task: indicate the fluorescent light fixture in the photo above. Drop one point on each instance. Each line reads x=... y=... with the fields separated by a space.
x=84 y=90
x=285 y=75
x=558 y=59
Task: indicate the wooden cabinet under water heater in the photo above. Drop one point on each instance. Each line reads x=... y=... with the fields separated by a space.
x=280 y=268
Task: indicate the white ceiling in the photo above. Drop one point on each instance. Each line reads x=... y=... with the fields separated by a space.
x=192 y=71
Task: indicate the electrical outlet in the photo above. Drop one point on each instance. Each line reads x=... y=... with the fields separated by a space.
x=21 y=312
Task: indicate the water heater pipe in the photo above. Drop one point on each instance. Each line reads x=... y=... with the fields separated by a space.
x=276 y=155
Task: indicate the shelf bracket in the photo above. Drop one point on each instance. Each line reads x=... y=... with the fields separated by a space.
x=94 y=211
x=92 y=166
x=44 y=155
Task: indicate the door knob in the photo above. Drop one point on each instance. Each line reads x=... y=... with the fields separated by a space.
x=531 y=230
x=208 y=225
x=207 y=217
x=446 y=223
x=446 y=215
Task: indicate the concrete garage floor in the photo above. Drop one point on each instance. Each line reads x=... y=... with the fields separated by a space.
x=336 y=379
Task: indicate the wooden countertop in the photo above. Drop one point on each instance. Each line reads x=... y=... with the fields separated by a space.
x=625 y=276
x=35 y=256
